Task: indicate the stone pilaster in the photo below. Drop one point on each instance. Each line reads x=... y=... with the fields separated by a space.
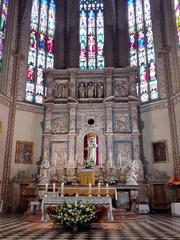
x=59 y=40
x=109 y=33
x=122 y=33
x=72 y=84
x=108 y=74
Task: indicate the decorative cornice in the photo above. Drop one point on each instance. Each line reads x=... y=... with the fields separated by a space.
x=29 y=108
x=4 y=100
x=161 y=104
x=176 y=98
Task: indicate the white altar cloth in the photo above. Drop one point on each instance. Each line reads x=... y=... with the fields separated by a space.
x=175 y=209
x=54 y=201
x=144 y=208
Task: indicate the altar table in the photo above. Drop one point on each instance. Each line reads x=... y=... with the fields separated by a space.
x=54 y=201
x=84 y=191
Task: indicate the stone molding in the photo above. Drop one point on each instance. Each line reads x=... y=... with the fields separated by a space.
x=29 y=107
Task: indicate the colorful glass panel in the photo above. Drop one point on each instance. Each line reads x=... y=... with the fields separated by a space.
x=141 y=47
x=42 y=30
x=177 y=14
x=91 y=34
x=3 y=23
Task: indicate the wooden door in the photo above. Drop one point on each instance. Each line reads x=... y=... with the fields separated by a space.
x=160 y=200
x=23 y=200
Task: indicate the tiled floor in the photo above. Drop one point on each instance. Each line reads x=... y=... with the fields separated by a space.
x=143 y=227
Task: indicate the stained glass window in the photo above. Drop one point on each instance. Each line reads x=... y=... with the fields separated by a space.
x=141 y=45
x=91 y=34
x=177 y=14
x=40 y=56
x=3 y=22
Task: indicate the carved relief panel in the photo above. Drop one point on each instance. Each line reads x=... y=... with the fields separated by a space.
x=121 y=122
x=60 y=124
x=123 y=154
x=59 y=154
x=120 y=88
x=61 y=89
x=91 y=90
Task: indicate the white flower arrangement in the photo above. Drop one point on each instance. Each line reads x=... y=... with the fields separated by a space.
x=88 y=163
x=76 y=213
x=112 y=180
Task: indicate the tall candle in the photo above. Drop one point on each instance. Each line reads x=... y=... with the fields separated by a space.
x=101 y=160
x=75 y=160
x=120 y=160
x=110 y=159
x=99 y=189
x=46 y=189
x=107 y=189
x=54 y=187
x=62 y=188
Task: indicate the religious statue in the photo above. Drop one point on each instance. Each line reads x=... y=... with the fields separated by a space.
x=92 y=150
x=90 y=90
x=82 y=90
x=100 y=90
x=134 y=173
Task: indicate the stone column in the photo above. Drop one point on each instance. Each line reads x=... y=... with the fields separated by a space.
x=48 y=116
x=109 y=33
x=59 y=40
x=108 y=74
x=72 y=84
x=122 y=33
x=72 y=34
x=109 y=133
x=132 y=81
x=134 y=118
x=49 y=75
x=72 y=134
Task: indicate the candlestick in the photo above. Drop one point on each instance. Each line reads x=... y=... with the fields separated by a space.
x=54 y=187
x=62 y=189
x=99 y=189
x=46 y=189
x=90 y=189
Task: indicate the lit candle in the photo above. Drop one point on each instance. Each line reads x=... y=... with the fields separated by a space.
x=55 y=162
x=62 y=189
x=99 y=189
x=54 y=187
x=120 y=160
x=101 y=160
x=46 y=189
x=110 y=159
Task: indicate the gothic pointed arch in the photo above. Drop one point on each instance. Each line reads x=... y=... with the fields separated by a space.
x=91 y=34
x=41 y=46
x=141 y=48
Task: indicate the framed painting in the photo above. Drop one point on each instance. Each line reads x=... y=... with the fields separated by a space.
x=24 y=152
x=160 y=152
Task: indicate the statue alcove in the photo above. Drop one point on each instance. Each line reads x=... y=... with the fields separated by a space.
x=91 y=147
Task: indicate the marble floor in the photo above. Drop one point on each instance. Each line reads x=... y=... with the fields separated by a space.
x=142 y=227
